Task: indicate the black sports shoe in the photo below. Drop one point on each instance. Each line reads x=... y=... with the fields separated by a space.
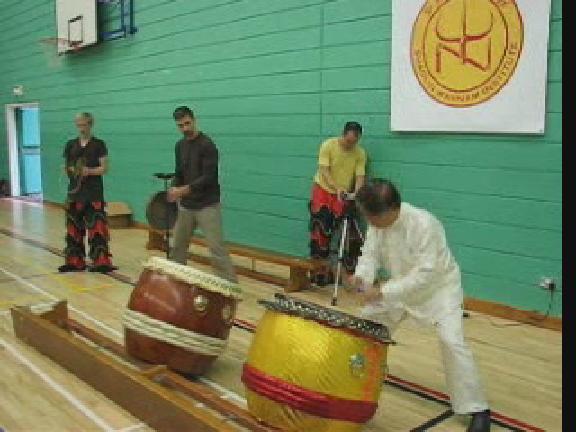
x=103 y=269
x=70 y=268
x=480 y=422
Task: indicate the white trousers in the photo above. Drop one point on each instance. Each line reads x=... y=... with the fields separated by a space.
x=462 y=379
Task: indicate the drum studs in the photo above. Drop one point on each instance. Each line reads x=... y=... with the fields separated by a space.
x=200 y=303
x=334 y=318
x=357 y=365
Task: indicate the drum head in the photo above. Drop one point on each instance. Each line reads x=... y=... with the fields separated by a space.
x=330 y=317
x=192 y=276
x=160 y=213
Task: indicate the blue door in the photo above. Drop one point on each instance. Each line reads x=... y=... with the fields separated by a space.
x=28 y=127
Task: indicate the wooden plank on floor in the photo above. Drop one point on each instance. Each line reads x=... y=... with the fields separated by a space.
x=158 y=407
x=39 y=406
x=26 y=397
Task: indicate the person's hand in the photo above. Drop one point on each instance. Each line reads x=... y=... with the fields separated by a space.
x=355 y=283
x=173 y=194
x=346 y=196
x=373 y=295
x=177 y=192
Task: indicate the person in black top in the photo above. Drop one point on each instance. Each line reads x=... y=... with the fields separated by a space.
x=197 y=190
x=86 y=163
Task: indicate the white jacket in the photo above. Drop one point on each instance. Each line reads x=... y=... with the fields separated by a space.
x=424 y=279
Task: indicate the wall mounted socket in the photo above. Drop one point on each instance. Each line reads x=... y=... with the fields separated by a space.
x=548 y=284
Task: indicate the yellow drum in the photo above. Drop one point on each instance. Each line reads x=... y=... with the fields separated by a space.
x=313 y=369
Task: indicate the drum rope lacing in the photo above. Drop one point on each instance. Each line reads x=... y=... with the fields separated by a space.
x=165 y=332
x=195 y=277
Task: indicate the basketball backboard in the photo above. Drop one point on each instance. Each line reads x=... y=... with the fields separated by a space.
x=76 y=23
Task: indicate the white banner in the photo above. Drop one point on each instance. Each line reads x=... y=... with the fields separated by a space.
x=469 y=65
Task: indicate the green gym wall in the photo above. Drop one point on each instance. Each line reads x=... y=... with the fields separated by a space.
x=269 y=80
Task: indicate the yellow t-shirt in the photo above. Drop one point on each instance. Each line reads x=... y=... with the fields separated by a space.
x=345 y=166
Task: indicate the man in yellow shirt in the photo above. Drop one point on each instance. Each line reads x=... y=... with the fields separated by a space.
x=341 y=172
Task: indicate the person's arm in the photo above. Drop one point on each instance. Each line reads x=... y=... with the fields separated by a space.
x=360 y=172
x=369 y=261
x=209 y=168
x=360 y=180
x=327 y=177
x=176 y=184
x=98 y=171
x=324 y=168
x=419 y=277
x=66 y=155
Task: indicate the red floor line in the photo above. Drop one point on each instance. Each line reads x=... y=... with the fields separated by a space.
x=419 y=387
x=517 y=423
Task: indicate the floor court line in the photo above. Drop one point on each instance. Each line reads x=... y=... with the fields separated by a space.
x=132 y=428
x=96 y=419
x=83 y=314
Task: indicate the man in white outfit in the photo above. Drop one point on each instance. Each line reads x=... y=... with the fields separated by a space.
x=424 y=284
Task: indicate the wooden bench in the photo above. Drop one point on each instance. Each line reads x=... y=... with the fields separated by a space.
x=298 y=279
x=119 y=215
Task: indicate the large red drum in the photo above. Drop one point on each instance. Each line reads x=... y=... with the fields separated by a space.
x=179 y=316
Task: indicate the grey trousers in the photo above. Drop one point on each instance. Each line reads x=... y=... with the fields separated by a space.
x=209 y=220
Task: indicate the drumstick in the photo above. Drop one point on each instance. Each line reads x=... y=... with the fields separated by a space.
x=76 y=176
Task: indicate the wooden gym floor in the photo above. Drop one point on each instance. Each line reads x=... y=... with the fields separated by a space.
x=521 y=365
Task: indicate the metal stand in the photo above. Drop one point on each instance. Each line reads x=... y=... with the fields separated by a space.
x=340 y=259
x=166 y=178
x=347 y=225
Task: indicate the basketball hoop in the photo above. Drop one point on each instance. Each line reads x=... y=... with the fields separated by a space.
x=62 y=45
